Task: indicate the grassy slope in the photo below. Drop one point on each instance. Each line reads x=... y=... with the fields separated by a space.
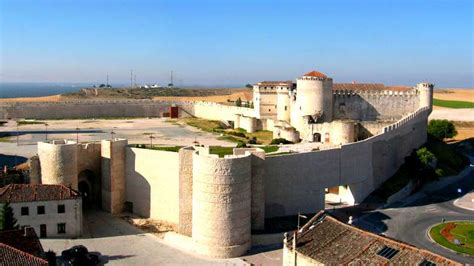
x=453 y=104
x=463 y=229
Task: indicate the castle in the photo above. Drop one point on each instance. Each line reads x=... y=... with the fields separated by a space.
x=366 y=131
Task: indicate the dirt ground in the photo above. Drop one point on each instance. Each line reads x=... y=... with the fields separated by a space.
x=52 y=98
x=465 y=95
x=243 y=95
x=465 y=130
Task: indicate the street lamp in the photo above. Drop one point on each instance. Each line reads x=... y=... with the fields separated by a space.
x=46 y=132
x=151 y=140
x=17 y=134
x=77 y=134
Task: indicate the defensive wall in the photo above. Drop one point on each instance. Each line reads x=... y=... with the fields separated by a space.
x=218 y=201
x=374 y=105
x=117 y=108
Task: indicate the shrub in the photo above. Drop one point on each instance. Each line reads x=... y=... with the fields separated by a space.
x=280 y=141
x=425 y=157
x=439 y=172
x=253 y=140
x=237 y=134
x=241 y=144
x=441 y=129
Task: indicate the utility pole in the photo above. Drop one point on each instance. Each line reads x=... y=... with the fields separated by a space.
x=131 y=78
x=107 y=84
x=135 y=80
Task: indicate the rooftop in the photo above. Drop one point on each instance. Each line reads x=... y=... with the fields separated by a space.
x=25 y=193
x=330 y=241
x=368 y=87
x=13 y=256
x=25 y=240
x=315 y=74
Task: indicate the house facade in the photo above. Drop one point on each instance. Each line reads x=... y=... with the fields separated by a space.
x=54 y=211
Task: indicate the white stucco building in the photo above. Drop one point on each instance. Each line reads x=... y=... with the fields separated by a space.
x=54 y=211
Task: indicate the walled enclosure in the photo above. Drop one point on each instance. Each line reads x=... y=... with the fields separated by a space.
x=218 y=201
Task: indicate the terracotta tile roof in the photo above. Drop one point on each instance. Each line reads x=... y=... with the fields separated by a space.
x=25 y=240
x=25 y=193
x=368 y=87
x=315 y=74
x=12 y=256
x=330 y=241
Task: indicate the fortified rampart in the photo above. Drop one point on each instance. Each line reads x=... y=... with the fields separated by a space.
x=218 y=201
x=374 y=105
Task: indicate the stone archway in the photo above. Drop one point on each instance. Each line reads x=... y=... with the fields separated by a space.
x=89 y=187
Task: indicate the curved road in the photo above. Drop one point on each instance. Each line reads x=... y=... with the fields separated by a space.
x=410 y=222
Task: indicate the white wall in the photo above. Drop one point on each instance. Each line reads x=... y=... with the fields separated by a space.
x=72 y=217
x=152 y=183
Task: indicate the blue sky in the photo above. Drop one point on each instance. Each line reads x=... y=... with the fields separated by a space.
x=237 y=42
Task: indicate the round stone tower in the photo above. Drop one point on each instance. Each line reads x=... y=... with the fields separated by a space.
x=314 y=96
x=58 y=161
x=221 y=205
x=425 y=94
x=283 y=103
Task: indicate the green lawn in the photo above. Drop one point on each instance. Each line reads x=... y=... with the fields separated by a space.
x=219 y=150
x=464 y=232
x=453 y=104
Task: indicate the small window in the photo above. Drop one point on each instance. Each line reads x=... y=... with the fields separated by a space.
x=387 y=252
x=25 y=211
x=61 y=228
x=40 y=210
x=286 y=108
x=426 y=262
x=269 y=110
x=61 y=208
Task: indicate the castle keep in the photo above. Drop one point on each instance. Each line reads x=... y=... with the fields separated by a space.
x=365 y=132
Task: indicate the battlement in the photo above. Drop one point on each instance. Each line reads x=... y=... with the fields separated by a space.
x=375 y=93
x=420 y=112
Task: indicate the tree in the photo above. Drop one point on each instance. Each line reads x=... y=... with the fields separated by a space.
x=101 y=85
x=249 y=86
x=7 y=220
x=238 y=102
x=442 y=129
x=425 y=157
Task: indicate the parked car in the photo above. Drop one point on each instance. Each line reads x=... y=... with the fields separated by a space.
x=79 y=255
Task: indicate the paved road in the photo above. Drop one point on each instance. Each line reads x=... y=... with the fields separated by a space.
x=119 y=243
x=409 y=223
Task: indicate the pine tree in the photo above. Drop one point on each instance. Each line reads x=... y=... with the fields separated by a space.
x=7 y=220
x=238 y=102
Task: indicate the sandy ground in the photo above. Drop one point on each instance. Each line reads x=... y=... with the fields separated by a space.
x=137 y=131
x=466 y=95
x=52 y=98
x=244 y=96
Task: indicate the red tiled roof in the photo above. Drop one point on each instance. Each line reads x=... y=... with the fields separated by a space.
x=12 y=256
x=315 y=74
x=25 y=240
x=367 y=87
x=39 y=192
x=330 y=241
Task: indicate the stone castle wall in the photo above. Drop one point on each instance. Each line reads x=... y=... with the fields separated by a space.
x=152 y=183
x=374 y=105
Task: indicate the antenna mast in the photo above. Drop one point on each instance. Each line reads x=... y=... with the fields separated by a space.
x=131 y=78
